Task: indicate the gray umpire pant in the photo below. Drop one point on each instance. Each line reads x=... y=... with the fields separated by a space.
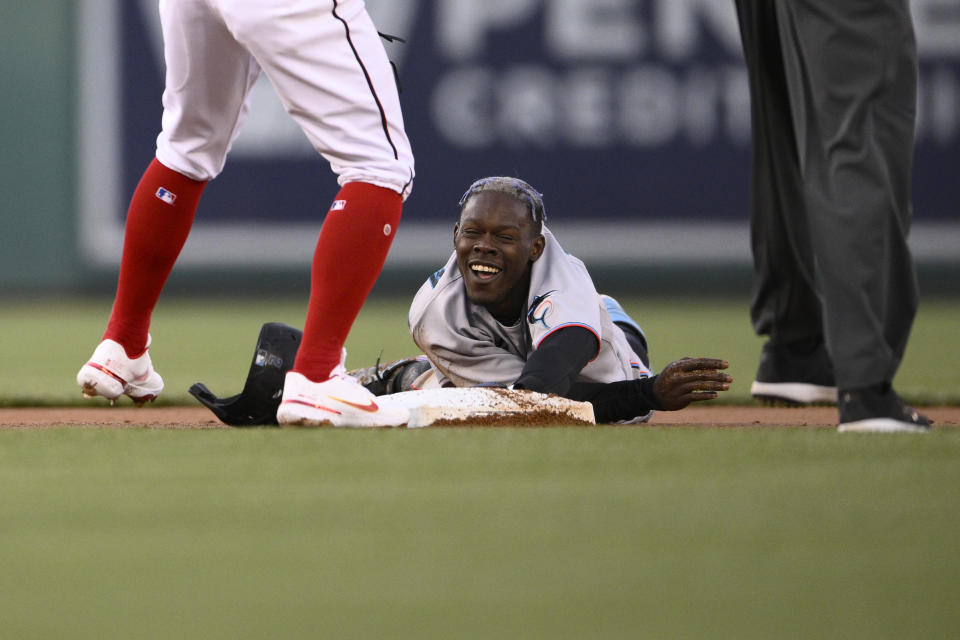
x=833 y=86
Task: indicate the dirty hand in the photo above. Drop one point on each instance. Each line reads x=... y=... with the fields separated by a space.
x=690 y=380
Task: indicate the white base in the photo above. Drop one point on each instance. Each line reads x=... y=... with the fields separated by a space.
x=467 y=404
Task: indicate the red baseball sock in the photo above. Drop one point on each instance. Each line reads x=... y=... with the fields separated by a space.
x=350 y=253
x=158 y=223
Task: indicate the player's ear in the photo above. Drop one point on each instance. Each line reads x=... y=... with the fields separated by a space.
x=536 y=249
x=456 y=230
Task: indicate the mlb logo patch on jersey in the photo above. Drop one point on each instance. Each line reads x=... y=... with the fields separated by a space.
x=338 y=205
x=167 y=196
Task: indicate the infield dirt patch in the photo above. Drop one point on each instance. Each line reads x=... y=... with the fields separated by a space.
x=201 y=418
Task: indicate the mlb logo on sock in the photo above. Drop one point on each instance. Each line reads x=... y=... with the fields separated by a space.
x=338 y=205
x=166 y=196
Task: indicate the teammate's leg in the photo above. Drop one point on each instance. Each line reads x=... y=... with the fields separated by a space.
x=331 y=72
x=150 y=250
x=340 y=89
x=204 y=104
x=349 y=256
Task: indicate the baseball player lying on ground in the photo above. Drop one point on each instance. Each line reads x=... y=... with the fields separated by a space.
x=510 y=308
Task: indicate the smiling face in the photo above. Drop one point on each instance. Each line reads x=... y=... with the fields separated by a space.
x=496 y=244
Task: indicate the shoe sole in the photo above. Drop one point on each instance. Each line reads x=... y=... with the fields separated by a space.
x=881 y=425
x=798 y=394
x=93 y=381
x=303 y=422
x=89 y=391
x=307 y=422
x=287 y=417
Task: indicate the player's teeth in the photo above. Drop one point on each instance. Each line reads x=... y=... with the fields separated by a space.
x=484 y=268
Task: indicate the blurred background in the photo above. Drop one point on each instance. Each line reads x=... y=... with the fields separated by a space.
x=631 y=116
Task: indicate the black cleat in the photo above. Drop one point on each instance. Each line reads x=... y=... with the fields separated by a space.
x=878 y=409
x=394 y=377
x=794 y=376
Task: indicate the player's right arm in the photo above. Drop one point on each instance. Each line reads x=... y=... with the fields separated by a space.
x=556 y=363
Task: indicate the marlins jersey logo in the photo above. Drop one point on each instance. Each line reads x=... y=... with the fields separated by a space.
x=540 y=308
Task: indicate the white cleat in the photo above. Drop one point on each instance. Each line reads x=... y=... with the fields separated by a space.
x=110 y=373
x=338 y=402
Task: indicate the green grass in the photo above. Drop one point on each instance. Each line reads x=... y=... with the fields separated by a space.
x=479 y=533
x=600 y=532
x=212 y=342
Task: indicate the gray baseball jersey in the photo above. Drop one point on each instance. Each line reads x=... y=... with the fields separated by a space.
x=467 y=346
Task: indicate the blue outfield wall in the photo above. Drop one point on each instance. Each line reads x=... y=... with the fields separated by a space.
x=631 y=116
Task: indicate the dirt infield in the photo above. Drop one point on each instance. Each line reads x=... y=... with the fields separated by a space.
x=201 y=418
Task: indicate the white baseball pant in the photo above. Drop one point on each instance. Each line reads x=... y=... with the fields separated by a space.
x=326 y=63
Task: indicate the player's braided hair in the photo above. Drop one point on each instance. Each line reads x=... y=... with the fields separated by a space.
x=515 y=187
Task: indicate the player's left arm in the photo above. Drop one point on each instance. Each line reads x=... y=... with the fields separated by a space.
x=676 y=386
x=557 y=362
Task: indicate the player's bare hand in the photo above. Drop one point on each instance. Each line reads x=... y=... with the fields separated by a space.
x=690 y=380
